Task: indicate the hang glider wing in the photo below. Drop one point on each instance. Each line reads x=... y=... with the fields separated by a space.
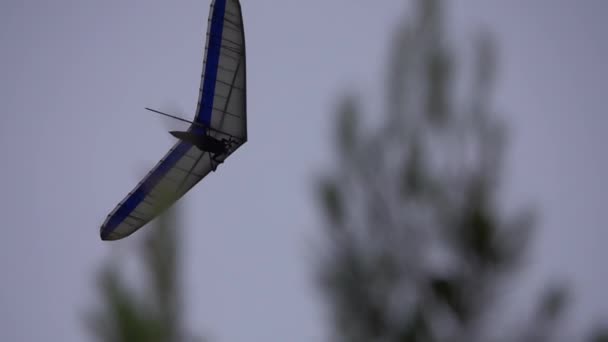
x=221 y=113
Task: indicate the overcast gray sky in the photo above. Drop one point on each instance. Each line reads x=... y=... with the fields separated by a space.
x=75 y=76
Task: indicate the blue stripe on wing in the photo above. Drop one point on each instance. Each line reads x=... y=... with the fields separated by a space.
x=212 y=63
x=137 y=196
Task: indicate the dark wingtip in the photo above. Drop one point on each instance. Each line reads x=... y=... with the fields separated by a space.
x=107 y=236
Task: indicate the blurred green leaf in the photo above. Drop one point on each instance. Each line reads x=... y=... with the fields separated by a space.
x=553 y=302
x=599 y=335
x=332 y=201
x=438 y=80
x=347 y=126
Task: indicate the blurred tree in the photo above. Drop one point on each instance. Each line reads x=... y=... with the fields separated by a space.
x=420 y=246
x=127 y=316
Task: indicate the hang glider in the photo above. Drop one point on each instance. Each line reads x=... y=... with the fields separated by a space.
x=219 y=127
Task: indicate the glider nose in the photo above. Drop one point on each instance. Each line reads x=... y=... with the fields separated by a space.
x=179 y=135
x=185 y=136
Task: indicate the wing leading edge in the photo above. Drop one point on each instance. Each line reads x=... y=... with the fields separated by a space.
x=222 y=105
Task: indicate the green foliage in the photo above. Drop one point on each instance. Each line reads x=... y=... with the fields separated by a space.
x=151 y=314
x=419 y=248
